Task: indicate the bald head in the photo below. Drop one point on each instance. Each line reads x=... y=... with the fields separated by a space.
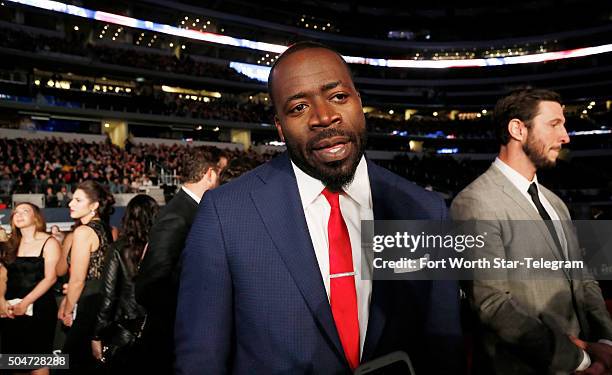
x=298 y=47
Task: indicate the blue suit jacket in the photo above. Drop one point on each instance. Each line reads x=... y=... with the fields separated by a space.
x=252 y=300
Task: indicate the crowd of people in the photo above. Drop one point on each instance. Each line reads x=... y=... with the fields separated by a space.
x=96 y=267
x=54 y=167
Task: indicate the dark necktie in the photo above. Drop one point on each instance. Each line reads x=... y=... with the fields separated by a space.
x=343 y=294
x=533 y=192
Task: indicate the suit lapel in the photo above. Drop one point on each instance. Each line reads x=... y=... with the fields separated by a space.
x=569 y=232
x=381 y=296
x=279 y=206
x=566 y=224
x=531 y=214
x=189 y=203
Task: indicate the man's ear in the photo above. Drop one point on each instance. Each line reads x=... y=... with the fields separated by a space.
x=517 y=129
x=279 y=129
x=209 y=172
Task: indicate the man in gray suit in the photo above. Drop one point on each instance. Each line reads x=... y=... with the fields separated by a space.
x=530 y=326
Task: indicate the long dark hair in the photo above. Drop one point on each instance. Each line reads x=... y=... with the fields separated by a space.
x=135 y=226
x=8 y=252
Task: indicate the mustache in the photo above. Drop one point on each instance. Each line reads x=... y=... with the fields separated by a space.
x=328 y=133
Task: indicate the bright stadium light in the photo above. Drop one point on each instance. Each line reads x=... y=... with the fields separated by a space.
x=438 y=63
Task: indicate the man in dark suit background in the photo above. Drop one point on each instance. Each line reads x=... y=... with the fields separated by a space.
x=157 y=279
x=261 y=289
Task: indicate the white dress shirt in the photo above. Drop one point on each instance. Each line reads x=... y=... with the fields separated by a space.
x=356 y=205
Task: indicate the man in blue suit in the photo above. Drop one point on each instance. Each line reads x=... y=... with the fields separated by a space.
x=258 y=291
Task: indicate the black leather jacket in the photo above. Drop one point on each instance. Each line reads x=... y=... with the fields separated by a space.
x=118 y=302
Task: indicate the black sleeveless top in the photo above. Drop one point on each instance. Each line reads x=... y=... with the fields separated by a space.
x=96 y=259
x=29 y=334
x=24 y=273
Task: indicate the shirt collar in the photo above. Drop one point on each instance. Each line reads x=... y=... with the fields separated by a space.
x=191 y=194
x=517 y=179
x=358 y=190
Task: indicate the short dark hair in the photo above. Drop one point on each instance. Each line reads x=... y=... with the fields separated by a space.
x=236 y=168
x=520 y=104
x=196 y=162
x=300 y=46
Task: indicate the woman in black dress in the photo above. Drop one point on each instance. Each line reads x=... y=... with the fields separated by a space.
x=30 y=257
x=92 y=205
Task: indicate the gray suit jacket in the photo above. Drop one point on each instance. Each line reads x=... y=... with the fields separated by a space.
x=525 y=320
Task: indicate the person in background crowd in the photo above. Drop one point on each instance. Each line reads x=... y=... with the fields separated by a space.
x=30 y=257
x=5 y=312
x=236 y=168
x=4 y=305
x=63 y=197
x=50 y=198
x=57 y=233
x=157 y=280
x=119 y=309
x=223 y=160
x=146 y=181
x=92 y=205
x=3 y=235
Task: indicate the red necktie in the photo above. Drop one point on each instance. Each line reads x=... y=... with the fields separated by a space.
x=342 y=296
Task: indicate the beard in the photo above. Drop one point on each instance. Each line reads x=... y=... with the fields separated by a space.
x=334 y=175
x=536 y=151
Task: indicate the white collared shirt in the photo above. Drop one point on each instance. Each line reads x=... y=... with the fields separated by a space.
x=355 y=205
x=191 y=194
x=522 y=184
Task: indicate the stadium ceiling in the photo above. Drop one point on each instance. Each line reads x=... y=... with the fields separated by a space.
x=443 y=20
x=73 y=10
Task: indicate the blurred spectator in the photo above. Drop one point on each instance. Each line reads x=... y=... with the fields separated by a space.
x=63 y=197
x=157 y=280
x=120 y=170
x=57 y=234
x=3 y=235
x=50 y=197
x=236 y=168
